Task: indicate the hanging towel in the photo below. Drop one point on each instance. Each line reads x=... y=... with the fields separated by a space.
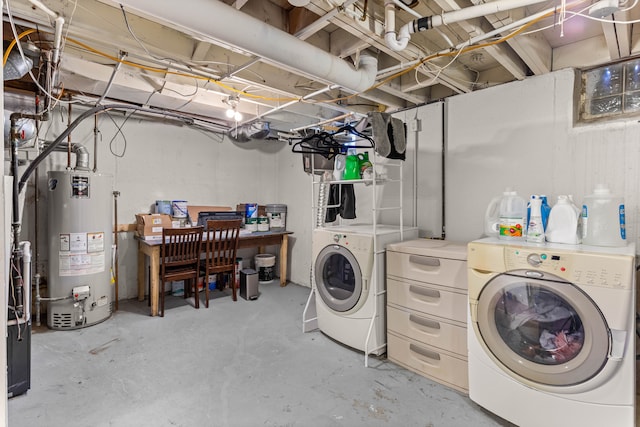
x=343 y=202
x=389 y=134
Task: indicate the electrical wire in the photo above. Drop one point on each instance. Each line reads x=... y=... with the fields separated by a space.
x=119 y=131
x=440 y=70
x=142 y=45
x=181 y=74
x=18 y=44
x=628 y=8
x=13 y=43
x=608 y=21
x=537 y=30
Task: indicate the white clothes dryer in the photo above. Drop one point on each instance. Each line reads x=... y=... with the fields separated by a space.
x=349 y=283
x=551 y=333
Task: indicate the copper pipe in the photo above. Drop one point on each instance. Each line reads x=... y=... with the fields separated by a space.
x=364 y=11
x=115 y=238
x=69 y=139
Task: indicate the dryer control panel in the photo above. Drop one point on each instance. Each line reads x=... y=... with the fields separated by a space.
x=586 y=268
x=354 y=242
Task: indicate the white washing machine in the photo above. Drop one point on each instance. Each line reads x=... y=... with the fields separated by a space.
x=349 y=283
x=551 y=333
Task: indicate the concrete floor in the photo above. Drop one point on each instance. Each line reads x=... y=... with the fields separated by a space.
x=235 y=364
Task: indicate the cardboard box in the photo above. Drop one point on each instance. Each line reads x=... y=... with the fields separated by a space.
x=148 y=225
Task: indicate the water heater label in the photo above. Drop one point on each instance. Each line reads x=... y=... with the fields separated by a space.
x=65 y=242
x=78 y=242
x=81 y=254
x=95 y=242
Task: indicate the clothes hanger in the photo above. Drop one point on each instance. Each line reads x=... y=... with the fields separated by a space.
x=326 y=144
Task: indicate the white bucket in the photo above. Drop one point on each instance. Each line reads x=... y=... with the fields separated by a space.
x=277 y=215
x=265 y=264
x=179 y=208
x=251 y=224
x=263 y=223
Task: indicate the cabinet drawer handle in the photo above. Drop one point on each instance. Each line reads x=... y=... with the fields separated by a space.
x=424 y=322
x=424 y=261
x=424 y=352
x=429 y=293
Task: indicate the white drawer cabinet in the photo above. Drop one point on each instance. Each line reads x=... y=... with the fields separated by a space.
x=427 y=309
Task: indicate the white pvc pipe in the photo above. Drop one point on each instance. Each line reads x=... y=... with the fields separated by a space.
x=220 y=23
x=395 y=68
x=479 y=10
x=400 y=40
x=395 y=41
x=57 y=40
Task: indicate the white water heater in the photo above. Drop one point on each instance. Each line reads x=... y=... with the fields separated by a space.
x=80 y=287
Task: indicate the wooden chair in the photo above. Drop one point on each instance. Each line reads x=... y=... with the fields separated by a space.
x=222 y=245
x=180 y=259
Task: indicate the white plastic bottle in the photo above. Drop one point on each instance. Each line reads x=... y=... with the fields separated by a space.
x=603 y=218
x=513 y=214
x=563 y=222
x=535 y=227
x=492 y=217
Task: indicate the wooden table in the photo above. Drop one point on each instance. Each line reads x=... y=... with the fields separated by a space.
x=151 y=248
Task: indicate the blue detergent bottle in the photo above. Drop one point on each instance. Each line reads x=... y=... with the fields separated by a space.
x=545 y=209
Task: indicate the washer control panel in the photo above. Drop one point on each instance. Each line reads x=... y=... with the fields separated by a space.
x=595 y=269
x=353 y=242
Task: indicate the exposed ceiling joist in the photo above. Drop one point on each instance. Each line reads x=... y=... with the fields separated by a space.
x=506 y=57
x=532 y=49
x=196 y=73
x=618 y=36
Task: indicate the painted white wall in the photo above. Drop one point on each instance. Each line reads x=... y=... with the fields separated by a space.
x=424 y=167
x=522 y=135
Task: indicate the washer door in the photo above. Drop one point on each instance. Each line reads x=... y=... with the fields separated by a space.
x=547 y=331
x=338 y=278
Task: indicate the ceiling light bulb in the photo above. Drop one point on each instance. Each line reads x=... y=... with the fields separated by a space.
x=237 y=116
x=231 y=112
x=299 y=3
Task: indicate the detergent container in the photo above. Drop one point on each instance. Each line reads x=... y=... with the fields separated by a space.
x=563 y=225
x=351 y=167
x=512 y=216
x=603 y=221
x=338 y=167
x=365 y=164
x=535 y=228
x=545 y=209
x=492 y=217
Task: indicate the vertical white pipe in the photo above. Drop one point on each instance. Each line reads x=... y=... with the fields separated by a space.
x=57 y=39
x=395 y=41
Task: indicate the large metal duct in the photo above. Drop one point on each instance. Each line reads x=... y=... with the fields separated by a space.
x=224 y=25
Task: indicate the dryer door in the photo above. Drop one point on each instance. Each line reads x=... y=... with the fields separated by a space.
x=338 y=278
x=547 y=331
